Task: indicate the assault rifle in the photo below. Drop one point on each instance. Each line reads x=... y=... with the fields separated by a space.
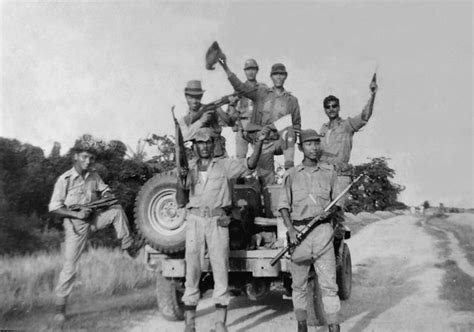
x=312 y=224
x=99 y=204
x=217 y=103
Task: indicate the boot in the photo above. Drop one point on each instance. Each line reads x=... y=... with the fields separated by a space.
x=334 y=328
x=221 y=318
x=60 y=314
x=302 y=326
x=190 y=318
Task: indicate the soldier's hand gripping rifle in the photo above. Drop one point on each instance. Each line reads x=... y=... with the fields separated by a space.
x=99 y=204
x=312 y=224
x=217 y=103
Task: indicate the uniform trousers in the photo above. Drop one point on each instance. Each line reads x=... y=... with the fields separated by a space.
x=316 y=249
x=76 y=232
x=202 y=232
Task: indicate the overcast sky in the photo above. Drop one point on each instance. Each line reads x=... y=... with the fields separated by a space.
x=114 y=69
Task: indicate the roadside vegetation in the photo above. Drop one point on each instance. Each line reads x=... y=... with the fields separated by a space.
x=30 y=237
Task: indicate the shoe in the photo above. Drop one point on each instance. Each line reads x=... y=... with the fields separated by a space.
x=60 y=314
x=221 y=318
x=302 y=326
x=190 y=319
x=133 y=251
x=334 y=328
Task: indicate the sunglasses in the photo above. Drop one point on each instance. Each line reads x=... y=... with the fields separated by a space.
x=334 y=106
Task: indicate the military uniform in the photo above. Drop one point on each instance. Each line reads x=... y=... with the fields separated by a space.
x=337 y=145
x=209 y=198
x=244 y=111
x=269 y=106
x=307 y=191
x=71 y=188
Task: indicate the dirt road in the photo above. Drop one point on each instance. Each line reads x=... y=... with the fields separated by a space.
x=404 y=269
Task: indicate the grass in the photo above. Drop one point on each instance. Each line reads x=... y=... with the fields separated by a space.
x=27 y=282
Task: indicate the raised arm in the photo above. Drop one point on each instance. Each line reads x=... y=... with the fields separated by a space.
x=236 y=83
x=367 y=111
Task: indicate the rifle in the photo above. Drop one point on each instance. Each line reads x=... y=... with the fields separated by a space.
x=217 y=103
x=182 y=195
x=99 y=204
x=312 y=224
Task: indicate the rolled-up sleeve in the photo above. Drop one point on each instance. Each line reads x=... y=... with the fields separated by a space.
x=101 y=186
x=189 y=131
x=296 y=115
x=285 y=199
x=236 y=168
x=240 y=87
x=356 y=123
x=59 y=195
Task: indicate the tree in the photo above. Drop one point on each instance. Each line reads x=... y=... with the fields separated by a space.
x=375 y=191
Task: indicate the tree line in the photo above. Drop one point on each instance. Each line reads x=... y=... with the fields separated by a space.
x=27 y=178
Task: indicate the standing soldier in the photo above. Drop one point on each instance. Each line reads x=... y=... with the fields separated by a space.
x=207 y=221
x=271 y=104
x=212 y=119
x=308 y=190
x=338 y=134
x=243 y=111
x=78 y=186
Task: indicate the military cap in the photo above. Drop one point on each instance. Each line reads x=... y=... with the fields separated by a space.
x=193 y=88
x=86 y=143
x=203 y=134
x=278 y=68
x=309 y=135
x=250 y=63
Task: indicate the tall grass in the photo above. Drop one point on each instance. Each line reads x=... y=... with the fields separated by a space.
x=29 y=281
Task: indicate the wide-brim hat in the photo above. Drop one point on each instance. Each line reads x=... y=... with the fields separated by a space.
x=309 y=135
x=194 y=88
x=278 y=68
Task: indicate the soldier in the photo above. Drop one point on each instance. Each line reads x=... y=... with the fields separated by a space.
x=207 y=220
x=212 y=119
x=338 y=134
x=271 y=104
x=81 y=185
x=308 y=189
x=243 y=112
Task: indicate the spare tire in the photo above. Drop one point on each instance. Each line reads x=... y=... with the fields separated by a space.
x=159 y=220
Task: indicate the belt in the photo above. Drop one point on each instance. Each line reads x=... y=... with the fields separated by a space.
x=306 y=221
x=207 y=212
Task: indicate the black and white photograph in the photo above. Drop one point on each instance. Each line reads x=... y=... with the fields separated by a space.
x=236 y=165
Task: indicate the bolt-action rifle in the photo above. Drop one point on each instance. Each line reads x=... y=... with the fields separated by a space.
x=215 y=104
x=312 y=224
x=99 y=204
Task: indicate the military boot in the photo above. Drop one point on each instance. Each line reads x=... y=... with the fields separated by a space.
x=221 y=318
x=334 y=328
x=302 y=326
x=190 y=318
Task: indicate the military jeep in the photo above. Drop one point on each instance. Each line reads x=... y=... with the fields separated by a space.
x=256 y=236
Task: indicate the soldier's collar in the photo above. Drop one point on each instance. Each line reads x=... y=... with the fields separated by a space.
x=285 y=92
x=301 y=167
x=338 y=122
x=74 y=173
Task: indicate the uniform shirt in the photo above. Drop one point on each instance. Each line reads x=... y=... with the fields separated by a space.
x=269 y=106
x=189 y=129
x=302 y=181
x=71 y=188
x=213 y=190
x=337 y=142
x=245 y=106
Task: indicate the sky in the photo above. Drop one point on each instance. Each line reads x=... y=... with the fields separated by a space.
x=114 y=69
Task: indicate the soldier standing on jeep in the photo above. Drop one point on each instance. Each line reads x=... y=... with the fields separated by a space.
x=308 y=189
x=242 y=113
x=212 y=119
x=78 y=186
x=338 y=133
x=271 y=104
x=207 y=221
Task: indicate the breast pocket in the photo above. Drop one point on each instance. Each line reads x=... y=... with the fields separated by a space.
x=216 y=182
x=324 y=195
